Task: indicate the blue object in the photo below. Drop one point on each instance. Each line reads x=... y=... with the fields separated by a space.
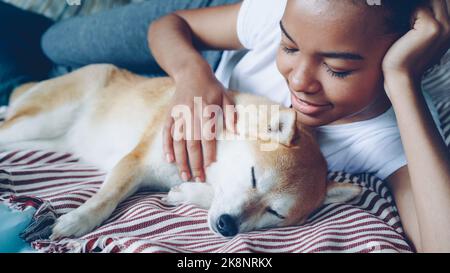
x=99 y=38
x=12 y=223
x=21 y=57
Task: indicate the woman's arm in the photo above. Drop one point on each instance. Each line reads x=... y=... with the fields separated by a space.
x=175 y=40
x=422 y=189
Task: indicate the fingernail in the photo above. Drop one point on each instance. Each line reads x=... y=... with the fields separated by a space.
x=184 y=176
x=198 y=179
x=169 y=158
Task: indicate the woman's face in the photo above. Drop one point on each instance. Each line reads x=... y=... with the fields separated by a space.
x=330 y=55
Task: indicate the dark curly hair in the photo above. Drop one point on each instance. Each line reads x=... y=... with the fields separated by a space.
x=399 y=14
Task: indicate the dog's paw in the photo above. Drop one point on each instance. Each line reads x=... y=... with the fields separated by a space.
x=200 y=194
x=175 y=196
x=73 y=224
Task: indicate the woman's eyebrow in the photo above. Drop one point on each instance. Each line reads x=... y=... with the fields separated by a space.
x=333 y=55
x=342 y=55
x=285 y=32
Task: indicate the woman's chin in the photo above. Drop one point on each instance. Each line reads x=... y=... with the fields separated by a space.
x=313 y=120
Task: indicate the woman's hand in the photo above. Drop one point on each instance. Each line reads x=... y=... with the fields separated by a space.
x=194 y=150
x=423 y=45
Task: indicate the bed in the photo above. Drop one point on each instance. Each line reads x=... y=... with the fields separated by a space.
x=53 y=183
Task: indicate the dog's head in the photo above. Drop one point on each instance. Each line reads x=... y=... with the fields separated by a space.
x=262 y=188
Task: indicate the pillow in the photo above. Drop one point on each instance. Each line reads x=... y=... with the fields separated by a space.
x=437 y=85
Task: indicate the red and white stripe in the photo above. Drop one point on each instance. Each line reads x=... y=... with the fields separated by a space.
x=143 y=223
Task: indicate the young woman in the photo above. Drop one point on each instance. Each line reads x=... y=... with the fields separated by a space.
x=350 y=69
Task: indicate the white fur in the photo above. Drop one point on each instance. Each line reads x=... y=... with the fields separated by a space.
x=104 y=132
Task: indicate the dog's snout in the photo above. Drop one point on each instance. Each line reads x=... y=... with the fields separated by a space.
x=226 y=225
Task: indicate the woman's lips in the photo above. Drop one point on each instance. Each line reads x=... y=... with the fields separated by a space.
x=308 y=108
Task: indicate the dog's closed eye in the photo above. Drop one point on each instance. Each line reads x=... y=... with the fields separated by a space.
x=253 y=178
x=275 y=213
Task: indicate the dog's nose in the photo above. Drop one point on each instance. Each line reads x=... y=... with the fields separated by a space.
x=226 y=225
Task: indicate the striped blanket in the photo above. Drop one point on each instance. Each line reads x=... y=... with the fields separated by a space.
x=144 y=223
x=56 y=183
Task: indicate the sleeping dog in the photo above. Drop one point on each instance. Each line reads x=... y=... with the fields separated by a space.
x=113 y=119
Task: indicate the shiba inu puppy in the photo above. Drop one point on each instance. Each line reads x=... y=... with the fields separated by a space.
x=114 y=119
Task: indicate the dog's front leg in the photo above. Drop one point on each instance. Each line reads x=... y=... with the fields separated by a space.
x=121 y=182
x=200 y=194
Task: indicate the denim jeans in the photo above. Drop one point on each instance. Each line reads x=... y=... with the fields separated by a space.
x=117 y=36
x=21 y=57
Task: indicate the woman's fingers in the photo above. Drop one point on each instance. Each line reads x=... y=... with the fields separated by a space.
x=209 y=152
x=209 y=134
x=440 y=10
x=181 y=157
x=429 y=42
x=194 y=149
x=195 y=158
x=230 y=115
x=168 y=140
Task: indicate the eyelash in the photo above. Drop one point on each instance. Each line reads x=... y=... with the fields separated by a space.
x=340 y=75
x=288 y=50
x=335 y=74
x=271 y=211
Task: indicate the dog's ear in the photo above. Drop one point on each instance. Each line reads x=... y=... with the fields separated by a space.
x=282 y=128
x=277 y=125
x=341 y=192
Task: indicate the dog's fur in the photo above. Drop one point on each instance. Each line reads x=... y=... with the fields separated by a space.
x=114 y=119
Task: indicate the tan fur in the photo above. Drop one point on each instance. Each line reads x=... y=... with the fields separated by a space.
x=17 y=92
x=25 y=112
x=103 y=97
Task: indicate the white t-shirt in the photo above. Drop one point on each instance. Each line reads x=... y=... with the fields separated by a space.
x=370 y=146
x=256 y=72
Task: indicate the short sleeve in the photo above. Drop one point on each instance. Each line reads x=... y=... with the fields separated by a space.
x=256 y=18
x=370 y=146
x=394 y=159
x=379 y=149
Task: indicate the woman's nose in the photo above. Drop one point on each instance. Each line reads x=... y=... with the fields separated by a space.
x=303 y=80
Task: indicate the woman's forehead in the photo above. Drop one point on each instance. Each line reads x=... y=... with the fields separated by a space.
x=332 y=13
x=323 y=23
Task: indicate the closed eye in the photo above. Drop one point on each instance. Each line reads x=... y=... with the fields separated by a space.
x=253 y=178
x=275 y=213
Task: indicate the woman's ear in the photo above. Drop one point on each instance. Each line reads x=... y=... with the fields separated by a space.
x=341 y=192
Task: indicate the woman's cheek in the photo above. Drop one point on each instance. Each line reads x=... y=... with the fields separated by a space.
x=344 y=93
x=283 y=63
